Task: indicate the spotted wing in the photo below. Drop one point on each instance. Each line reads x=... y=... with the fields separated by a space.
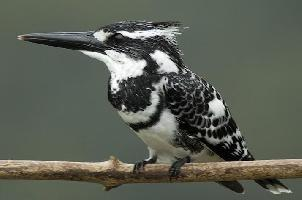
x=203 y=117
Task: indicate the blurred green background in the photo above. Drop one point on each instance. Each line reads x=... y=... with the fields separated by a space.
x=53 y=102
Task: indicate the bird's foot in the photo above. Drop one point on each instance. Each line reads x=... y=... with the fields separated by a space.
x=174 y=170
x=140 y=165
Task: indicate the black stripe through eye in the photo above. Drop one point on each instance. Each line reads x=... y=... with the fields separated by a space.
x=118 y=36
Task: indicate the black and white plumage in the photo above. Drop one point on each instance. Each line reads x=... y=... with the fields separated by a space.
x=178 y=115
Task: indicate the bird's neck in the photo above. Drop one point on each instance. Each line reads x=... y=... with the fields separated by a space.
x=133 y=80
x=159 y=62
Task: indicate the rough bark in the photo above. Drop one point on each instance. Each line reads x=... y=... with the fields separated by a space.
x=113 y=172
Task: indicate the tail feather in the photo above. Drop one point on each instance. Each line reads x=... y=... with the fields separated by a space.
x=232 y=185
x=274 y=186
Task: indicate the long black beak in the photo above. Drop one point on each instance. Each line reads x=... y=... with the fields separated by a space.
x=69 y=40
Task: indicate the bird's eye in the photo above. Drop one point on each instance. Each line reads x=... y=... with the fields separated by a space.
x=118 y=36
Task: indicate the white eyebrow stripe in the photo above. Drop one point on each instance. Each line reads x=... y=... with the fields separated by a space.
x=101 y=35
x=168 y=32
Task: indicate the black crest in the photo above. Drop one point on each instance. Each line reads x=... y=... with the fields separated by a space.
x=132 y=26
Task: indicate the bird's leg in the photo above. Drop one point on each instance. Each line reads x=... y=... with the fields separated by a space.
x=175 y=167
x=139 y=166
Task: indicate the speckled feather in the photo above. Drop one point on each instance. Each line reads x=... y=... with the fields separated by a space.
x=188 y=97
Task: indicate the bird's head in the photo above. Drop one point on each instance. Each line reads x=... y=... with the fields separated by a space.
x=131 y=44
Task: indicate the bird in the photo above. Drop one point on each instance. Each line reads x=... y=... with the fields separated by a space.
x=180 y=116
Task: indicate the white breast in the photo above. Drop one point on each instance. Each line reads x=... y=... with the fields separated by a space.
x=160 y=137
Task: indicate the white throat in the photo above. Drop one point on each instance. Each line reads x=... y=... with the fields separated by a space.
x=120 y=65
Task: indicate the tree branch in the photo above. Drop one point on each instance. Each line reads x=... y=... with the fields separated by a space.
x=113 y=172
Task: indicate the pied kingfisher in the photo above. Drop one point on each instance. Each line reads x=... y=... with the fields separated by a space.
x=177 y=114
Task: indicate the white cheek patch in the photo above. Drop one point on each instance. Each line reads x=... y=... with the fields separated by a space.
x=166 y=65
x=120 y=66
x=101 y=35
x=123 y=66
